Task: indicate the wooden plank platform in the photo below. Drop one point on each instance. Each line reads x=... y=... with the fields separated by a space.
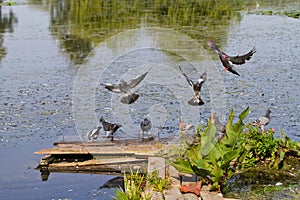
x=121 y=147
x=99 y=157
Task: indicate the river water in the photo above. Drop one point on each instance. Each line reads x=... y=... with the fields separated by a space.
x=53 y=61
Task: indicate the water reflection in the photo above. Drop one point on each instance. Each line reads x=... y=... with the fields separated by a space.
x=82 y=25
x=7 y=21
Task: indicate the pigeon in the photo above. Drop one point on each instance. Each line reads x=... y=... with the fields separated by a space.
x=262 y=121
x=184 y=126
x=93 y=134
x=145 y=127
x=109 y=128
x=196 y=99
x=228 y=61
x=125 y=88
x=221 y=128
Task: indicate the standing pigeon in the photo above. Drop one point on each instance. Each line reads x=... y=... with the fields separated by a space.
x=228 y=61
x=125 y=88
x=93 y=134
x=221 y=128
x=262 y=121
x=184 y=126
x=109 y=128
x=196 y=99
x=145 y=127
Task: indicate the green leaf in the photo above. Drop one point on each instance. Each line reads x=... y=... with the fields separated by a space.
x=183 y=166
x=194 y=152
x=244 y=114
x=233 y=131
x=208 y=139
x=228 y=157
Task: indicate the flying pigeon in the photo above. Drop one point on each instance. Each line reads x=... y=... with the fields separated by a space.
x=196 y=99
x=125 y=88
x=221 y=128
x=228 y=61
x=93 y=134
x=109 y=128
x=262 y=121
x=145 y=127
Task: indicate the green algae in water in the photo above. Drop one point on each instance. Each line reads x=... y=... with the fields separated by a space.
x=265 y=183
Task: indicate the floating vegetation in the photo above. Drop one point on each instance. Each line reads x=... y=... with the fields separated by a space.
x=292 y=13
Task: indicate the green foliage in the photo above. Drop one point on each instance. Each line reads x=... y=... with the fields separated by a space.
x=212 y=159
x=218 y=160
x=133 y=188
x=264 y=146
x=135 y=185
x=157 y=183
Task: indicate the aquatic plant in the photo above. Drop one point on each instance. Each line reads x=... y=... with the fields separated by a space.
x=212 y=159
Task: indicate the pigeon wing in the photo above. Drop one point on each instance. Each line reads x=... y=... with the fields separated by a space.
x=187 y=78
x=203 y=77
x=112 y=87
x=242 y=59
x=134 y=82
x=233 y=71
x=213 y=46
x=264 y=121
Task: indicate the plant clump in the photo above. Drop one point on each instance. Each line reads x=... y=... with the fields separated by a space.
x=243 y=147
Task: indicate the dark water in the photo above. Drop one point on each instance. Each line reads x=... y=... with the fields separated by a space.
x=54 y=57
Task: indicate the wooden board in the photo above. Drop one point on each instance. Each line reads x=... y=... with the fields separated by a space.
x=118 y=148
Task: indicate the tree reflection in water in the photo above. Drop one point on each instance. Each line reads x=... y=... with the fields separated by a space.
x=82 y=25
x=7 y=21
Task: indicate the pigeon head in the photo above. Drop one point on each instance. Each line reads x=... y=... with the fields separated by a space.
x=268 y=112
x=101 y=119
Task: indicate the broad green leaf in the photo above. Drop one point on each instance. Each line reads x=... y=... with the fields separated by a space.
x=244 y=114
x=228 y=157
x=233 y=131
x=194 y=152
x=208 y=139
x=201 y=168
x=214 y=155
x=183 y=166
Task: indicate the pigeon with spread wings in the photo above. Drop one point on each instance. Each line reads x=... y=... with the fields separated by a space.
x=196 y=99
x=228 y=61
x=125 y=88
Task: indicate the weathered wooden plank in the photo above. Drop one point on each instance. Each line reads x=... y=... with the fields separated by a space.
x=134 y=149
